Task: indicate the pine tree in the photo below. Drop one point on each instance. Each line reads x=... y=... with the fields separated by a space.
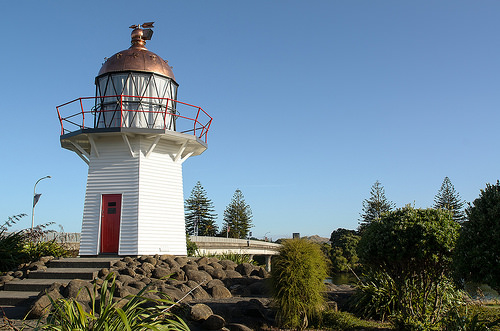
x=237 y=217
x=375 y=205
x=447 y=198
x=199 y=211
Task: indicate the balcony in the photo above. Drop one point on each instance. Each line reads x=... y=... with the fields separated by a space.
x=117 y=112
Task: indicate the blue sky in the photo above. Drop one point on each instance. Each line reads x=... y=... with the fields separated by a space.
x=313 y=101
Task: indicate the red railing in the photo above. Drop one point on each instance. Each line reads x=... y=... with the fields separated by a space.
x=187 y=118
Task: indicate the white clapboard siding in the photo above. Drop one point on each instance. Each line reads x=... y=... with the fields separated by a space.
x=152 y=216
x=161 y=202
x=113 y=172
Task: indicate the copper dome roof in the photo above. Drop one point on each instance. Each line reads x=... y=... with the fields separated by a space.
x=137 y=58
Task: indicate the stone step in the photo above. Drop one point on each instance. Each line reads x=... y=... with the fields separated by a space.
x=83 y=262
x=65 y=273
x=15 y=298
x=31 y=285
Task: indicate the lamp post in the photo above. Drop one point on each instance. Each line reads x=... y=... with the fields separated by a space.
x=35 y=201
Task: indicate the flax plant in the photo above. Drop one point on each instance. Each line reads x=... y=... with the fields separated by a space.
x=132 y=313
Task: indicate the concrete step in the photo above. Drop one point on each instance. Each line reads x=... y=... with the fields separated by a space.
x=31 y=285
x=83 y=262
x=65 y=273
x=15 y=298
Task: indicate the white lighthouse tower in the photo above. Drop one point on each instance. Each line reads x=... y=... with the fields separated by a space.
x=134 y=135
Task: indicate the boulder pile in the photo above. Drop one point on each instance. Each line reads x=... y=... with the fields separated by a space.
x=194 y=282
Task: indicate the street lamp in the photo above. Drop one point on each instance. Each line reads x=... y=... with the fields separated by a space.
x=35 y=200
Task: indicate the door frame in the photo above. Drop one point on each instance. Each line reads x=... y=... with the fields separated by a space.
x=104 y=218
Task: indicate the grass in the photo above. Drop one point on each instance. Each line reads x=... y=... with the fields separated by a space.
x=339 y=320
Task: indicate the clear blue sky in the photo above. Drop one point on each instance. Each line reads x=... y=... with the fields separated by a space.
x=313 y=101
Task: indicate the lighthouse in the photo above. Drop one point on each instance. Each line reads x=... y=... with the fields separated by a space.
x=134 y=135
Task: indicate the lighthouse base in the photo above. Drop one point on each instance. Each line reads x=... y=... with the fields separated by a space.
x=134 y=202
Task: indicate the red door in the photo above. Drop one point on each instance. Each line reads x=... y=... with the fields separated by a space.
x=110 y=222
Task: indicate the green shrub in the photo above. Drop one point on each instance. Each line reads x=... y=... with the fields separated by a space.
x=414 y=247
x=131 y=313
x=298 y=278
x=11 y=245
x=191 y=246
x=36 y=250
x=26 y=245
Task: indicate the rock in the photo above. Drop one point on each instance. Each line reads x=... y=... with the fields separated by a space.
x=237 y=327
x=206 y=267
x=183 y=287
x=232 y=274
x=37 y=266
x=124 y=291
x=140 y=271
x=172 y=264
x=200 y=293
x=202 y=261
x=214 y=282
x=173 y=293
x=128 y=259
x=220 y=292
x=145 y=280
x=6 y=278
x=160 y=272
x=181 y=260
x=164 y=257
x=127 y=271
x=55 y=287
x=147 y=266
x=216 y=265
x=133 y=264
x=179 y=275
x=263 y=273
x=119 y=264
x=198 y=276
x=46 y=259
x=214 y=322
x=217 y=273
x=174 y=282
x=42 y=305
x=190 y=267
x=137 y=284
x=228 y=264
x=245 y=269
x=103 y=272
x=200 y=312
x=125 y=279
x=151 y=260
x=76 y=290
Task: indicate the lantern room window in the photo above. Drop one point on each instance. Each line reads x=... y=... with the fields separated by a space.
x=135 y=100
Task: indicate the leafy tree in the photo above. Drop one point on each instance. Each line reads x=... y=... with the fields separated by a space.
x=298 y=276
x=375 y=205
x=237 y=217
x=447 y=198
x=414 y=248
x=343 y=253
x=478 y=248
x=200 y=216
